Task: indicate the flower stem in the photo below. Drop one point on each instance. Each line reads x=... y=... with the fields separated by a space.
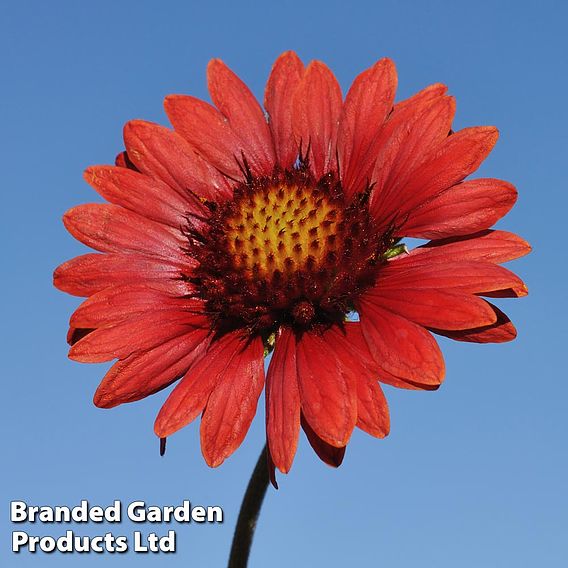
x=248 y=515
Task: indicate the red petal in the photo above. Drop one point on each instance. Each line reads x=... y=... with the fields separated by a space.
x=143 y=374
x=123 y=161
x=280 y=88
x=372 y=409
x=366 y=107
x=190 y=396
x=234 y=99
x=416 y=273
x=348 y=343
x=499 y=332
x=283 y=401
x=328 y=391
x=208 y=131
x=135 y=335
x=326 y=452
x=411 y=139
x=457 y=157
x=232 y=404
x=141 y=194
x=489 y=246
x=367 y=367
x=435 y=308
x=402 y=348
x=316 y=110
x=427 y=94
x=166 y=156
x=404 y=113
x=110 y=228
x=87 y=274
x=271 y=468
x=116 y=304
x=463 y=209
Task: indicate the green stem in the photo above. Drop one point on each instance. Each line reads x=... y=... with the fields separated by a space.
x=248 y=515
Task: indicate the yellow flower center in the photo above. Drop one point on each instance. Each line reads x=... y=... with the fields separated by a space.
x=286 y=249
x=283 y=229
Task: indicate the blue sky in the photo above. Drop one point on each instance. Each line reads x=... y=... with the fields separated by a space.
x=472 y=475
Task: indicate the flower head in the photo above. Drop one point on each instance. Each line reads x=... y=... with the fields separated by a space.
x=242 y=231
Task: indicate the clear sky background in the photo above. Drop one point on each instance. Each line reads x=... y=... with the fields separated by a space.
x=473 y=475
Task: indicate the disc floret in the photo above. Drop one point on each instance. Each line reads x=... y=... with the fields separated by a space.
x=286 y=248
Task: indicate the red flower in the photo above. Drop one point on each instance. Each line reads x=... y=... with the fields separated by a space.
x=234 y=233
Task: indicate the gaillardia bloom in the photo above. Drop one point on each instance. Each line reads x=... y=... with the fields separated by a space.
x=244 y=230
